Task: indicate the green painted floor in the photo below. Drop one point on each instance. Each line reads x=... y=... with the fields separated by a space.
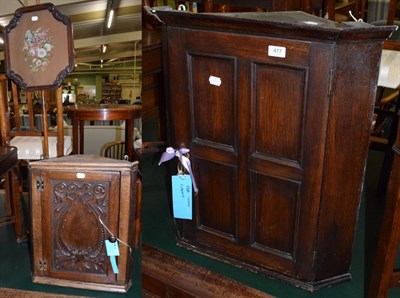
x=158 y=231
x=15 y=270
x=160 y=234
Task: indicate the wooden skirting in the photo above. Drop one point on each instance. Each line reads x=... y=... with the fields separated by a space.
x=14 y=293
x=164 y=275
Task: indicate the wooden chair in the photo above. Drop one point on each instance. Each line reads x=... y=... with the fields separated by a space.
x=12 y=202
x=375 y=17
x=340 y=11
x=384 y=131
x=29 y=126
x=383 y=275
x=388 y=100
x=36 y=136
x=115 y=150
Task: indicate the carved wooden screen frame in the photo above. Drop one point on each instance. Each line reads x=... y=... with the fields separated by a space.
x=38 y=47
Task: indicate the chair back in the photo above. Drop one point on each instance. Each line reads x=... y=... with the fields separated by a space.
x=27 y=114
x=115 y=150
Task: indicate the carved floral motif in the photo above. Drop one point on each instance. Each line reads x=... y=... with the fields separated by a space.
x=77 y=232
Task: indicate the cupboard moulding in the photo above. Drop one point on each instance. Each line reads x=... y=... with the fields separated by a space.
x=277 y=110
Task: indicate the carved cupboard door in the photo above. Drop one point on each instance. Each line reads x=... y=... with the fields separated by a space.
x=255 y=122
x=73 y=238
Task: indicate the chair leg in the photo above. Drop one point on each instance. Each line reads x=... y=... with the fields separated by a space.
x=12 y=197
x=385 y=171
x=8 y=215
x=382 y=273
x=7 y=199
x=16 y=204
x=13 y=211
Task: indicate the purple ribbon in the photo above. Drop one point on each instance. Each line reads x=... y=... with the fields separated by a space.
x=170 y=153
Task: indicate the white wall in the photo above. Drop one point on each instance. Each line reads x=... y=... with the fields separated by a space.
x=96 y=137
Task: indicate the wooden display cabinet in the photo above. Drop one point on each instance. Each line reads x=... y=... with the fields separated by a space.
x=111 y=92
x=69 y=197
x=276 y=109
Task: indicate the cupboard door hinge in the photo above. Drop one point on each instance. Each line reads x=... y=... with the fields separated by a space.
x=330 y=82
x=39 y=183
x=42 y=266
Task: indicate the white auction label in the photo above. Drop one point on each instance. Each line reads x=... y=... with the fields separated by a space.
x=80 y=175
x=216 y=81
x=275 y=51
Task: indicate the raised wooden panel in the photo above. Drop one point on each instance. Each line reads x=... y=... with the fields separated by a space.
x=279 y=109
x=75 y=246
x=281 y=189
x=75 y=209
x=217 y=202
x=245 y=46
x=213 y=96
x=276 y=215
x=73 y=199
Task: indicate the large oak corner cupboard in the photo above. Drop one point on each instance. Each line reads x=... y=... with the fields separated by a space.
x=276 y=110
x=71 y=198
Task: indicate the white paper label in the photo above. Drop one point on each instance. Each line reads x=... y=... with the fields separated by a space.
x=275 y=51
x=216 y=81
x=80 y=175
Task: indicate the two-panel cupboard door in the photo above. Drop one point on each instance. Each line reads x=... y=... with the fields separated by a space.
x=73 y=203
x=253 y=111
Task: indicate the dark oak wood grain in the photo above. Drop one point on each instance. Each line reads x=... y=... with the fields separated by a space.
x=70 y=199
x=278 y=143
x=153 y=102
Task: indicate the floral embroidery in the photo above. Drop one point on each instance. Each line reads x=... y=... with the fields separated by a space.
x=37 y=48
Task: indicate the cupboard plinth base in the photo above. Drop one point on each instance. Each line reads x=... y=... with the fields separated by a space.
x=82 y=285
x=311 y=286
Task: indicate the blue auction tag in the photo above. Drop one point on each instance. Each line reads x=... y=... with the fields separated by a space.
x=112 y=251
x=182 y=196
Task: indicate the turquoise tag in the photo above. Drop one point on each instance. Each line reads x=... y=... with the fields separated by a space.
x=112 y=251
x=182 y=196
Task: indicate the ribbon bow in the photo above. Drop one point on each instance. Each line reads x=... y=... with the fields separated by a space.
x=170 y=153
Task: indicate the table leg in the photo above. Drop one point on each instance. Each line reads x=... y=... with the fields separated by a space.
x=16 y=204
x=129 y=129
x=81 y=135
x=75 y=140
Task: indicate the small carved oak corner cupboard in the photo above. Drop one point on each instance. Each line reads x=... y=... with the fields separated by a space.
x=70 y=199
x=276 y=110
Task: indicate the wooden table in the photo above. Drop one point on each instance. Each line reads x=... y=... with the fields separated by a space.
x=8 y=165
x=80 y=113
